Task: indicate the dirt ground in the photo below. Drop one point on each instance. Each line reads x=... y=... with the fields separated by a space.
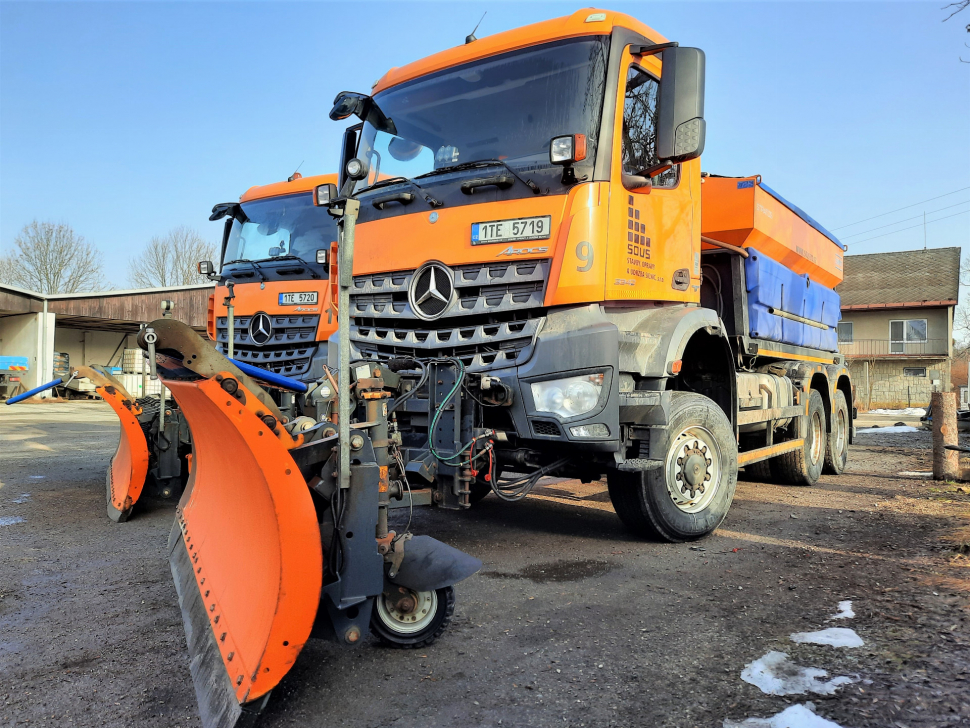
x=572 y=621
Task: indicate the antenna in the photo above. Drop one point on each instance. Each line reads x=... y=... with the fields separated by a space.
x=296 y=174
x=470 y=38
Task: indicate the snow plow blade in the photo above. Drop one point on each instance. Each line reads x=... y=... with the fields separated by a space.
x=245 y=548
x=125 y=478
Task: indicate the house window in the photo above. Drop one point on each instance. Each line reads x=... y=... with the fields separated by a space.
x=845 y=332
x=901 y=333
x=914 y=371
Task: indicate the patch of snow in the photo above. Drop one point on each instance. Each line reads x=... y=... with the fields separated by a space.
x=36 y=477
x=917 y=473
x=894 y=430
x=22 y=498
x=845 y=611
x=794 y=716
x=833 y=636
x=905 y=412
x=775 y=675
x=10 y=520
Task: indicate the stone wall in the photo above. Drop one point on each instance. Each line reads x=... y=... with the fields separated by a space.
x=890 y=388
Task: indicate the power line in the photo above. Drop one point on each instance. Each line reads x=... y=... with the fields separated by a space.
x=911 y=227
x=901 y=208
x=905 y=219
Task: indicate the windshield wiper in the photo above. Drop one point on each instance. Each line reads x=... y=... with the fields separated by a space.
x=433 y=201
x=313 y=274
x=253 y=263
x=478 y=163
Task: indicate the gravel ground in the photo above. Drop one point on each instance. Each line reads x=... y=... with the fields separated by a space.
x=572 y=621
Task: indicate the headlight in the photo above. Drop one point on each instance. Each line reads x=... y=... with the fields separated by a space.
x=568 y=397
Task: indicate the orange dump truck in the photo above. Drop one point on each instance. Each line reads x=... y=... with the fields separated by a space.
x=535 y=229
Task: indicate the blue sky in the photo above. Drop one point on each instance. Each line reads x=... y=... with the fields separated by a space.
x=127 y=119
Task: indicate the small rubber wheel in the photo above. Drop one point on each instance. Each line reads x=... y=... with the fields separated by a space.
x=689 y=496
x=426 y=616
x=804 y=465
x=837 y=446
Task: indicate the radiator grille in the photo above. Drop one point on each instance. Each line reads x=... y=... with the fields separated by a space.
x=287 y=352
x=492 y=320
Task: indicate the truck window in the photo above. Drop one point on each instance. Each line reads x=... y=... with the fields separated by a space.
x=640 y=127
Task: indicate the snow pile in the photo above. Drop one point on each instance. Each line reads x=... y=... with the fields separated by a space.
x=905 y=412
x=886 y=430
x=10 y=520
x=794 y=716
x=775 y=675
x=845 y=611
x=833 y=636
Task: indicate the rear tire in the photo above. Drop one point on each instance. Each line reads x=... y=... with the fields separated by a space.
x=759 y=472
x=837 y=443
x=689 y=496
x=804 y=465
x=418 y=628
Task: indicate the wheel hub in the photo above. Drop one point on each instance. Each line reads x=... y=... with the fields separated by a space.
x=693 y=469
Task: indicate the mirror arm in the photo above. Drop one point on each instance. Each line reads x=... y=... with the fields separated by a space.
x=653 y=49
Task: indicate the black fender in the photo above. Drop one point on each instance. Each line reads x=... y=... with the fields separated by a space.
x=430 y=564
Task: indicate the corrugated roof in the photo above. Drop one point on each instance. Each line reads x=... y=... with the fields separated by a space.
x=910 y=277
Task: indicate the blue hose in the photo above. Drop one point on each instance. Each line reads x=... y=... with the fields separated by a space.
x=278 y=380
x=36 y=390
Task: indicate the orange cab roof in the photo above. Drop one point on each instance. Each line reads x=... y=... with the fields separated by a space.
x=303 y=184
x=568 y=26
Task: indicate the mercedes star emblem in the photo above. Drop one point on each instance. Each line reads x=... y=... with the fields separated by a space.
x=431 y=291
x=260 y=329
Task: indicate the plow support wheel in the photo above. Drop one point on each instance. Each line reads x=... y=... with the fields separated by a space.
x=245 y=549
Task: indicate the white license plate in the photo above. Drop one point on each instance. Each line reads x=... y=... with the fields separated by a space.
x=294 y=299
x=508 y=231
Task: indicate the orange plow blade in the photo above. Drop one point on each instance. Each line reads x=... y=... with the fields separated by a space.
x=245 y=549
x=126 y=474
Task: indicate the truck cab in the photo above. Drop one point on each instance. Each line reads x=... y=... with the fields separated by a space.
x=275 y=270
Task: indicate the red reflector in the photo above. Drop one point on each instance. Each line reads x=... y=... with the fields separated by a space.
x=676 y=366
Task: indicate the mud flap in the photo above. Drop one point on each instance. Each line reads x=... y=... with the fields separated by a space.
x=430 y=564
x=245 y=551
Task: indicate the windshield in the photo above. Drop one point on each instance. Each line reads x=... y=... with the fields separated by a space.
x=278 y=226
x=508 y=108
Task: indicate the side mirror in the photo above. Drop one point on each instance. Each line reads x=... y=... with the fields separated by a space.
x=348 y=150
x=205 y=268
x=222 y=209
x=323 y=195
x=322 y=257
x=349 y=103
x=681 y=127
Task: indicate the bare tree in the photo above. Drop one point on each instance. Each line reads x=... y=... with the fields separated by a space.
x=171 y=260
x=51 y=258
x=958 y=6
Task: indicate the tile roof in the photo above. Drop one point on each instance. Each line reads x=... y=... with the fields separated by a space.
x=908 y=277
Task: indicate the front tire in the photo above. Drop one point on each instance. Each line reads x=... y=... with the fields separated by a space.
x=837 y=446
x=419 y=626
x=689 y=496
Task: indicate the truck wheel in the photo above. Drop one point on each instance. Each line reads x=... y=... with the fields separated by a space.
x=691 y=493
x=759 y=472
x=837 y=445
x=422 y=620
x=804 y=465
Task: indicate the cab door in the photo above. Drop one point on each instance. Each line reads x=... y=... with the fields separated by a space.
x=654 y=243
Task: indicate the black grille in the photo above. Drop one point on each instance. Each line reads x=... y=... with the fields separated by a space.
x=491 y=321
x=546 y=428
x=287 y=352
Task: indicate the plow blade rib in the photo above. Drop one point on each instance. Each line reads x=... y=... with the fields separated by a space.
x=245 y=552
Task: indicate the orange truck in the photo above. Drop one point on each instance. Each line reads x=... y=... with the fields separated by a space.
x=535 y=227
x=533 y=278
x=275 y=279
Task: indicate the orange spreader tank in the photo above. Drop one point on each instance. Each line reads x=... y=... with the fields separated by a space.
x=744 y=212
